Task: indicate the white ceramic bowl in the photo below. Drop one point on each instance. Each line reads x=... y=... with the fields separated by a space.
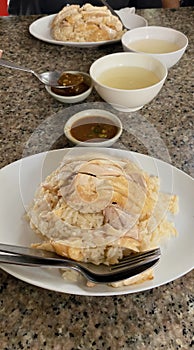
x=76 y=98
x=131 y=20
x=123 y=99
x=161 y=34
x=93 y=115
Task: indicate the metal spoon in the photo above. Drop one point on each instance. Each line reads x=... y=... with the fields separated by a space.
x=47 y=78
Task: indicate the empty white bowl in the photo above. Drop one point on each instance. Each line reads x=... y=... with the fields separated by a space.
x=79 y=127
x=131 y=20
x=125 y=99
x=156 y=41
x=75 y=98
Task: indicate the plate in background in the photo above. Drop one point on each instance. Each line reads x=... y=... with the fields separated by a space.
x=40 y=29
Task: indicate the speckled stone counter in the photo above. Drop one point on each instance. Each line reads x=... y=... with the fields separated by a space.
x=35 y=318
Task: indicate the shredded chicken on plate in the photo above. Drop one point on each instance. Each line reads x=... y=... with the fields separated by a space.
x=86 y=24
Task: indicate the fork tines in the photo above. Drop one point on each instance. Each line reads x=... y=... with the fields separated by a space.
x=138 y=258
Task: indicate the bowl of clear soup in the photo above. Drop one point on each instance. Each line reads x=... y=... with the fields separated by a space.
x=127 y=80
x=166 y=44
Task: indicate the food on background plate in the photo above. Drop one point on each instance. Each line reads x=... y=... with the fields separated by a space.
x=97 y=208
x=86 y=24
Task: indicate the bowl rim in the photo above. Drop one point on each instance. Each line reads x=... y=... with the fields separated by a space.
x=148 y=28
x=87 y=113
x=48 y=88
x=127 y=54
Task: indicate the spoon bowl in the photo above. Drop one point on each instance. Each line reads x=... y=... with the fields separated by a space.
x=47 y=78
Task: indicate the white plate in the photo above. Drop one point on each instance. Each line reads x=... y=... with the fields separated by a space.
x=40 y=29
x=19 y=181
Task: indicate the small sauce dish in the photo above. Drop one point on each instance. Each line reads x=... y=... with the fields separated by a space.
x=72 y=94
x=93 y=128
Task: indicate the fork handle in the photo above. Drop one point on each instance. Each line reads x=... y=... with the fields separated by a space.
x=35 y=261
x=19 y=250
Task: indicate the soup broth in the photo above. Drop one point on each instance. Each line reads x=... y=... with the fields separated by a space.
x=128 y=78
x=153 y=46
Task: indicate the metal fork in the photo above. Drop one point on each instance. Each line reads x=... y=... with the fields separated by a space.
x=127 y=267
